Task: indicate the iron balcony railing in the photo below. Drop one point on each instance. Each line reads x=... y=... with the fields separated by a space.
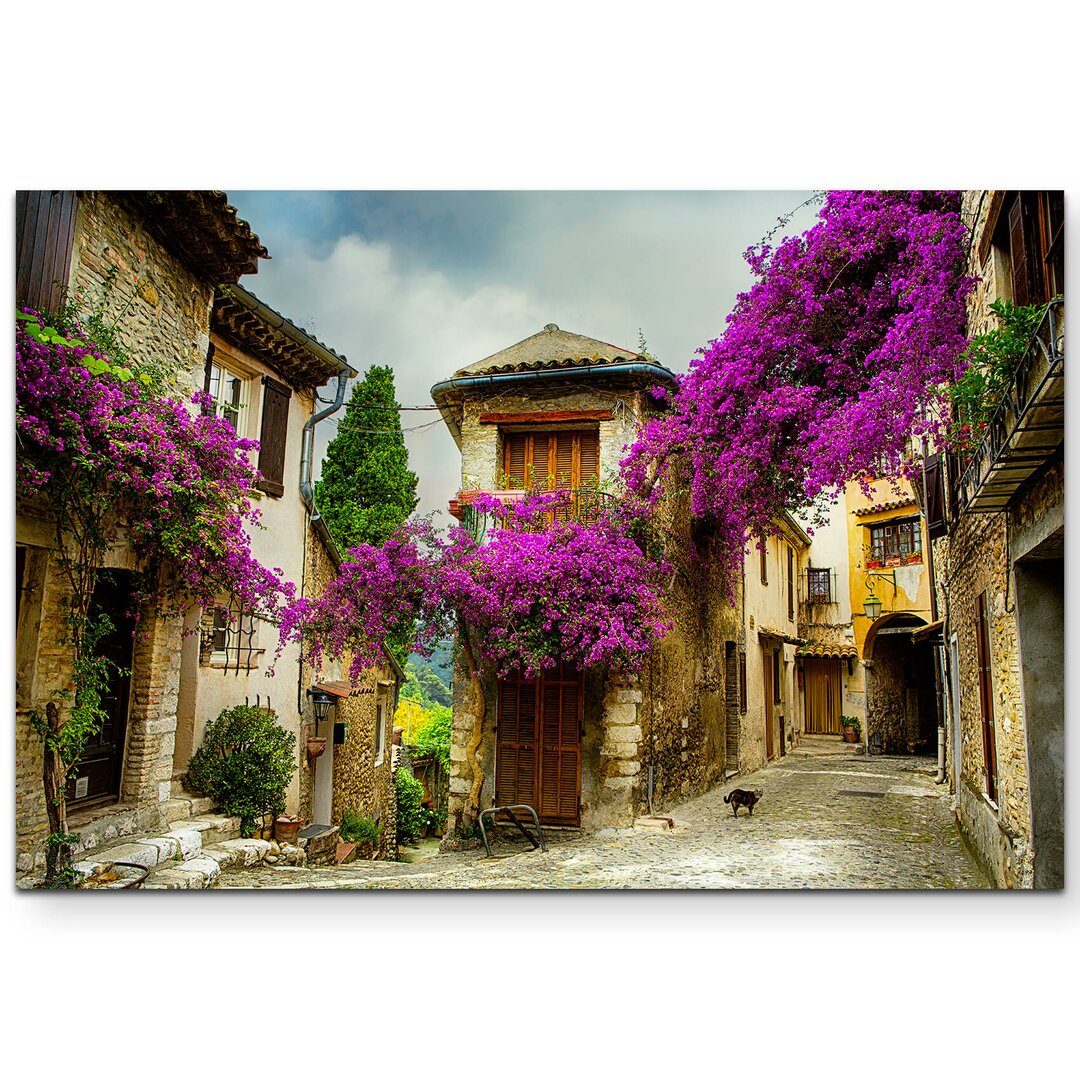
x=584 y=504
x=1027 y=429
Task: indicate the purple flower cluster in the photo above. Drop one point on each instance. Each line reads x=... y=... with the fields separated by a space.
x=835 y=357
x=536 y=590
x=100 y=444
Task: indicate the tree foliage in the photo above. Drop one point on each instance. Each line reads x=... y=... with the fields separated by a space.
x=366 y=489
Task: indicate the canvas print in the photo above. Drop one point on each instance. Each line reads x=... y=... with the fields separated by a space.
x=539 y=539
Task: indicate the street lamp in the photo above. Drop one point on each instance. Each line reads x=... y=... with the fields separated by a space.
x=321 y=701
x=872 y=605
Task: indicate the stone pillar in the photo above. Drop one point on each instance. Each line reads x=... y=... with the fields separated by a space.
x=151 y=733
x=620 y=760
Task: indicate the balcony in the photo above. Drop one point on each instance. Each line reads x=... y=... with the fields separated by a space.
x=583 y=504
x=1026 y=431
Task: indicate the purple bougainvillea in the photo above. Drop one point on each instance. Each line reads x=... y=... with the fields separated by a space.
x=117 y=460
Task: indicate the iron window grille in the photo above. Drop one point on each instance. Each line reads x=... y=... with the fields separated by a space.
x=235 y=637
x=819 y=585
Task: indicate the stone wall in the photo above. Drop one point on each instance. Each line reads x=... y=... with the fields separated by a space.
x=978 y=556
x=162 y=311
x=163 y=314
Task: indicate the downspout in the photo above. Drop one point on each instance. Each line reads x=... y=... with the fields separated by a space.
x=939 y=659
x=307 y=493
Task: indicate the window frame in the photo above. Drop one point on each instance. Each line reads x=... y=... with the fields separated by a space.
x=814 y=576
x=380 y=728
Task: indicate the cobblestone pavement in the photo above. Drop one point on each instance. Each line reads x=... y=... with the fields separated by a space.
x=828 y=822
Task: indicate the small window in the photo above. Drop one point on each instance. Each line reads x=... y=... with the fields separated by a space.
x=235 y=636
x=227 y=389
x=764 y=561
x=790 y=583
x=380 y=730
x=742 y=682
x=896 y=540
x=777 y=668
x=818 y=585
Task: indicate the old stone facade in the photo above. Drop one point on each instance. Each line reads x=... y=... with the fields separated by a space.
x=636 y=744
x=355 y=774
x=1000 y=573
x=118 y=252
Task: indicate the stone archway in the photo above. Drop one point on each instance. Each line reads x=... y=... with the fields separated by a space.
x=901 y=710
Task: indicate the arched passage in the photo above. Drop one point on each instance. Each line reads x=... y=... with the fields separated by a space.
x=901 y=713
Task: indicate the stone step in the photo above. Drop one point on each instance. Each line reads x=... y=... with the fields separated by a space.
x=187 y=805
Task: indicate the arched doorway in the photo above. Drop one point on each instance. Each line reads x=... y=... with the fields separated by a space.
x=901 y=710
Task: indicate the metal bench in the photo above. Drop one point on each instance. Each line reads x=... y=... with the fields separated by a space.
x=509 y=811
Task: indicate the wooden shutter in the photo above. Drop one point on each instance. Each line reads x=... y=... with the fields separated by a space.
x=589 y=464
x=1018 y=254
x=538 y=751
x=272 y=440
x=563 y=460
x=44 y=237
x=986 y=695
x=515 y=445
x=515 y=753
x=560 y=756
x=935 y=498
x=790 y=583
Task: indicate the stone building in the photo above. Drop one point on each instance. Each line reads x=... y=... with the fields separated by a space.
x=157 y=256
x=999 y=560
x=586 y=749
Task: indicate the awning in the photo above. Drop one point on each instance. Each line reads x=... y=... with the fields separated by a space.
x=342 y=688
x=923 y=632
x=829 y=650
x=780 y=635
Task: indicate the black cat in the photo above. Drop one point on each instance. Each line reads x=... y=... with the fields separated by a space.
x=739 y=798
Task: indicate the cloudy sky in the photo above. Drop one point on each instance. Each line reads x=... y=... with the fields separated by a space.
x=428 y=281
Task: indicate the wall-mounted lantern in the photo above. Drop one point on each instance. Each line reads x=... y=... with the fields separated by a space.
x=872 y=605
x=322 y=702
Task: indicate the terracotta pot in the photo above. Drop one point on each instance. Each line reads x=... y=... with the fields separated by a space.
x=315 y=746
x=286 y=829
x=849 y=734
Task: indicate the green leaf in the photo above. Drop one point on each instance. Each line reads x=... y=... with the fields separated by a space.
x=122 y=373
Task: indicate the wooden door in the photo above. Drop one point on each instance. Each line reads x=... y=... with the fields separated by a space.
x=767 y=669
x=821 y=686
x=97 y=778
x=538 y=744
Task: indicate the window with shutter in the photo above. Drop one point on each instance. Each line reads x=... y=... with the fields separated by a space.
x=742 y=681
x=567 y=460
x=273 y=436
x=44 y=238
x=986 y=695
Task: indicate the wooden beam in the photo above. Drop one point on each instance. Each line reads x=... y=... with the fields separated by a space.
x=567 y=416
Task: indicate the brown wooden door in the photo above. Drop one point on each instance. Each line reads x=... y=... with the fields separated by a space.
x=538 y=747
x=97 y=778
x=821 y=683
x=767 y=668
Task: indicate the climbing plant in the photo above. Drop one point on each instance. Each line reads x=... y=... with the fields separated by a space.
x=118 y=462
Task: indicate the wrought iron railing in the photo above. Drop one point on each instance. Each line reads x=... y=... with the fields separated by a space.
x=585 y=505
x=1027 y=429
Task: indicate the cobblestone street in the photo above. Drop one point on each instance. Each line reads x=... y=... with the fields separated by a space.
x=832 y=822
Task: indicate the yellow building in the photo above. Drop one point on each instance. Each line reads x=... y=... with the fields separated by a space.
x=894 y=622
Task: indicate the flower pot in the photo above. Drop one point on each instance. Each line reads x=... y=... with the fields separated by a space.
x=849 y=734
x=286 y=829
x=315 y=746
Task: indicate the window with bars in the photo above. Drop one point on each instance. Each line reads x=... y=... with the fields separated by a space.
x=896 y=539
x=818 y=585
x=234 y=638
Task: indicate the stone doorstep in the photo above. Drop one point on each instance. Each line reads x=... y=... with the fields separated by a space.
x=181 y=807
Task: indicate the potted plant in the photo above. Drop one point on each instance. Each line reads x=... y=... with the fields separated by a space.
x=852 y=728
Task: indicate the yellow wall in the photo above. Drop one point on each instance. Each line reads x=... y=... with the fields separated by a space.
x=911 y=592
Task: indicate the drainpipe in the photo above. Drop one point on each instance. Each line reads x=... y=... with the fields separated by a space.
x=939 y=659
x=307 y=493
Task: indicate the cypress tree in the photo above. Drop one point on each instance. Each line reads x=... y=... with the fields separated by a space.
x=367 y=490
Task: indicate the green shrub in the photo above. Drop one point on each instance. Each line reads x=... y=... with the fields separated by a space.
x=245 y=764
x=355 y=828
x=410 y=812
x=852 y=721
